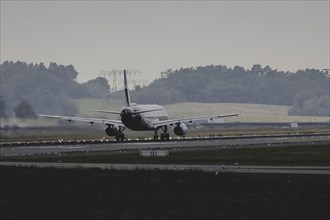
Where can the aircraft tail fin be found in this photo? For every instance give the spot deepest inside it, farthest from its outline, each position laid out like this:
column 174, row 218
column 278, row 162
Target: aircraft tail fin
column 128, row 101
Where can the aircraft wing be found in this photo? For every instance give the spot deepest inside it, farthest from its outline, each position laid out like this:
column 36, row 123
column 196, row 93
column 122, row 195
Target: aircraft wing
column 190, row 120
column 89, row 120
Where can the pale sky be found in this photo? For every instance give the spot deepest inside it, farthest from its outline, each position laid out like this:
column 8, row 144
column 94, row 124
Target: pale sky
column 156, row 36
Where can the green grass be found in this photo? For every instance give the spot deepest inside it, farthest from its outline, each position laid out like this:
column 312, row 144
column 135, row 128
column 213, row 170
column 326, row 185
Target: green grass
column 249, row 112
column 316, row 155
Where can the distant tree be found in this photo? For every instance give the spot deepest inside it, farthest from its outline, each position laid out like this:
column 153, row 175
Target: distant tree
column 3, row 107
column 53, row 90
column 305, row 91
column 137, row 87
column 256, row 68
column 311, row 104
column 49, row 90
column 24, row 110
column 238, row 69
column 97, row 88
column 63, row 71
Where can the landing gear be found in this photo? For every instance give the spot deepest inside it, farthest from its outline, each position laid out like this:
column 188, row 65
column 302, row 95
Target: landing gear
column 163, row 136
column 156, row 136
column 120, row 137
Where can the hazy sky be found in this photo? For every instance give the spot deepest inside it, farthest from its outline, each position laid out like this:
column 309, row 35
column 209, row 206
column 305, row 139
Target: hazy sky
column 155, row 36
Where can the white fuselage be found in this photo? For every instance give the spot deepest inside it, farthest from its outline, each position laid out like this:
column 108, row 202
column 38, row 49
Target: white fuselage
column 142, row 121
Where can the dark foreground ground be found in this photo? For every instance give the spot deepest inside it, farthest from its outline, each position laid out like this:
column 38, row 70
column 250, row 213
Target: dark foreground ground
column 50, row 193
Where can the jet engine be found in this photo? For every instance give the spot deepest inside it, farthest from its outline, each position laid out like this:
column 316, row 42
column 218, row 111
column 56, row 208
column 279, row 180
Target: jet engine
column 180, row 129
column 112, row 130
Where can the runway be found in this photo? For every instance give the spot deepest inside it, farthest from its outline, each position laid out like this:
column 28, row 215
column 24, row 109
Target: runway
column 23, row 149
column 187, row 144
column 307, row 170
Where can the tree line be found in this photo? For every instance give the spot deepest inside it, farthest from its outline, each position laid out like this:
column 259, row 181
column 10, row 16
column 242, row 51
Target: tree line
column 53, row 89
column 305, row 91
column 48, row 90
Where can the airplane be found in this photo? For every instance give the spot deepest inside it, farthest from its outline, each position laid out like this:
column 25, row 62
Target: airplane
column 140, row 118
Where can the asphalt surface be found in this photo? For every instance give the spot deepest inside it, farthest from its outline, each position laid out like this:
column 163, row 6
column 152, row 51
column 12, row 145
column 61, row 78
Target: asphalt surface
column 25, row 149
column 22, row 149
column 207, row 168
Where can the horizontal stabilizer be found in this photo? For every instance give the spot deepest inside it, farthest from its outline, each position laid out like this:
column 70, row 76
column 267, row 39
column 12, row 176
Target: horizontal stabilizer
column 105, row 111
column 153, row 110
column 118, row 113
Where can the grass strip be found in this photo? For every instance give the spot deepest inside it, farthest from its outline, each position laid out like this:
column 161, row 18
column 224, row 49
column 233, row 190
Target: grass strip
column 304, row 155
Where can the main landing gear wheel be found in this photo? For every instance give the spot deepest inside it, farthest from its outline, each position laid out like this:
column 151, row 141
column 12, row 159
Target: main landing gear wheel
column 164, row 136
column 120, row 137
column 156, row 136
